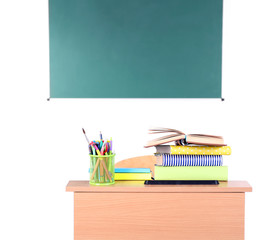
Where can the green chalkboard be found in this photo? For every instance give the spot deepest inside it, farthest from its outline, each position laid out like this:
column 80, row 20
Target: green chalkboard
column 135, row 48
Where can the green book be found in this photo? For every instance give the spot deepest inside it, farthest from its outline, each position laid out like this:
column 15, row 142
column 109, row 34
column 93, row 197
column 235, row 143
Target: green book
column 219, row 173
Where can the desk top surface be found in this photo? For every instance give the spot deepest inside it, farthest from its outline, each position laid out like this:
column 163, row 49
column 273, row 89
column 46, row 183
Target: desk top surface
column 138, row 186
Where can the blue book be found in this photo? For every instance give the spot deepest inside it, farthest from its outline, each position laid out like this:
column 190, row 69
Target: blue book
column 132, row 170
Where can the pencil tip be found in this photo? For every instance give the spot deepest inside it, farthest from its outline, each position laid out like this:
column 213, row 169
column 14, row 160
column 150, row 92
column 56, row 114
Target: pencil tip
column 83, row 130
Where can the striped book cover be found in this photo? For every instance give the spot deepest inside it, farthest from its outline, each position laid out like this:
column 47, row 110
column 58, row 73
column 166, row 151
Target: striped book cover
column 189, row 160
column 193, row 150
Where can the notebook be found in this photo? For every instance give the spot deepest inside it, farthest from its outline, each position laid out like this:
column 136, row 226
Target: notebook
column 189, row 160
column 132, row 176
column 193, row 150
column 132, row 170
column 219, row 173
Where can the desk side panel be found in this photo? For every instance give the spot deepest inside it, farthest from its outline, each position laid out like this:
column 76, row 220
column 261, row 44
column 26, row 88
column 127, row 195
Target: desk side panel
column 141, row 216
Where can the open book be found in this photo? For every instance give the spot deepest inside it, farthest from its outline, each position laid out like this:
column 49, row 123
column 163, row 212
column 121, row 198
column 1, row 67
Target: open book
column 181, row 138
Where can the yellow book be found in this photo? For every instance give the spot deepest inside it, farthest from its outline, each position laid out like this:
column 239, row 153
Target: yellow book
column 193, row 150
column 132, row 176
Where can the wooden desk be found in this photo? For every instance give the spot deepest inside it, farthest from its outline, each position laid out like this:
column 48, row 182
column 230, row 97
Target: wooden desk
column 130, row 210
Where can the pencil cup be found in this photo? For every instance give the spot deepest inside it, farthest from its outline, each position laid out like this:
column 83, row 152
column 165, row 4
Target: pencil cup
column 102, row 169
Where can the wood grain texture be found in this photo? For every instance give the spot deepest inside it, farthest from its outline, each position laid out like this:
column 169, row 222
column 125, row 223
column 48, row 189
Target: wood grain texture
column 147, row 161
column 142, row 216
column 139, row 187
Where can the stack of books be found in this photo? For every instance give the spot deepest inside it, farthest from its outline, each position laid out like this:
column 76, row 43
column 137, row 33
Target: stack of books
column 194, row 157
column 132, row 174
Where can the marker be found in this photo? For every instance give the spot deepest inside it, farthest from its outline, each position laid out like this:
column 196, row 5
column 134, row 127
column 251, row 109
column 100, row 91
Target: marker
column 102, row 149
column 111, row 145
column 93, row 149
column 97, row 150
column 107, row 148
column 100, row 144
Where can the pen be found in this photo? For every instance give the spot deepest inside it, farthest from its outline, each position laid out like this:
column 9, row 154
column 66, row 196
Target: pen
column 100, row 134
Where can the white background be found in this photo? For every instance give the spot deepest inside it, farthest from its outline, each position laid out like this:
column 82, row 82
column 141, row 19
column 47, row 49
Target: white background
column 42, row 145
